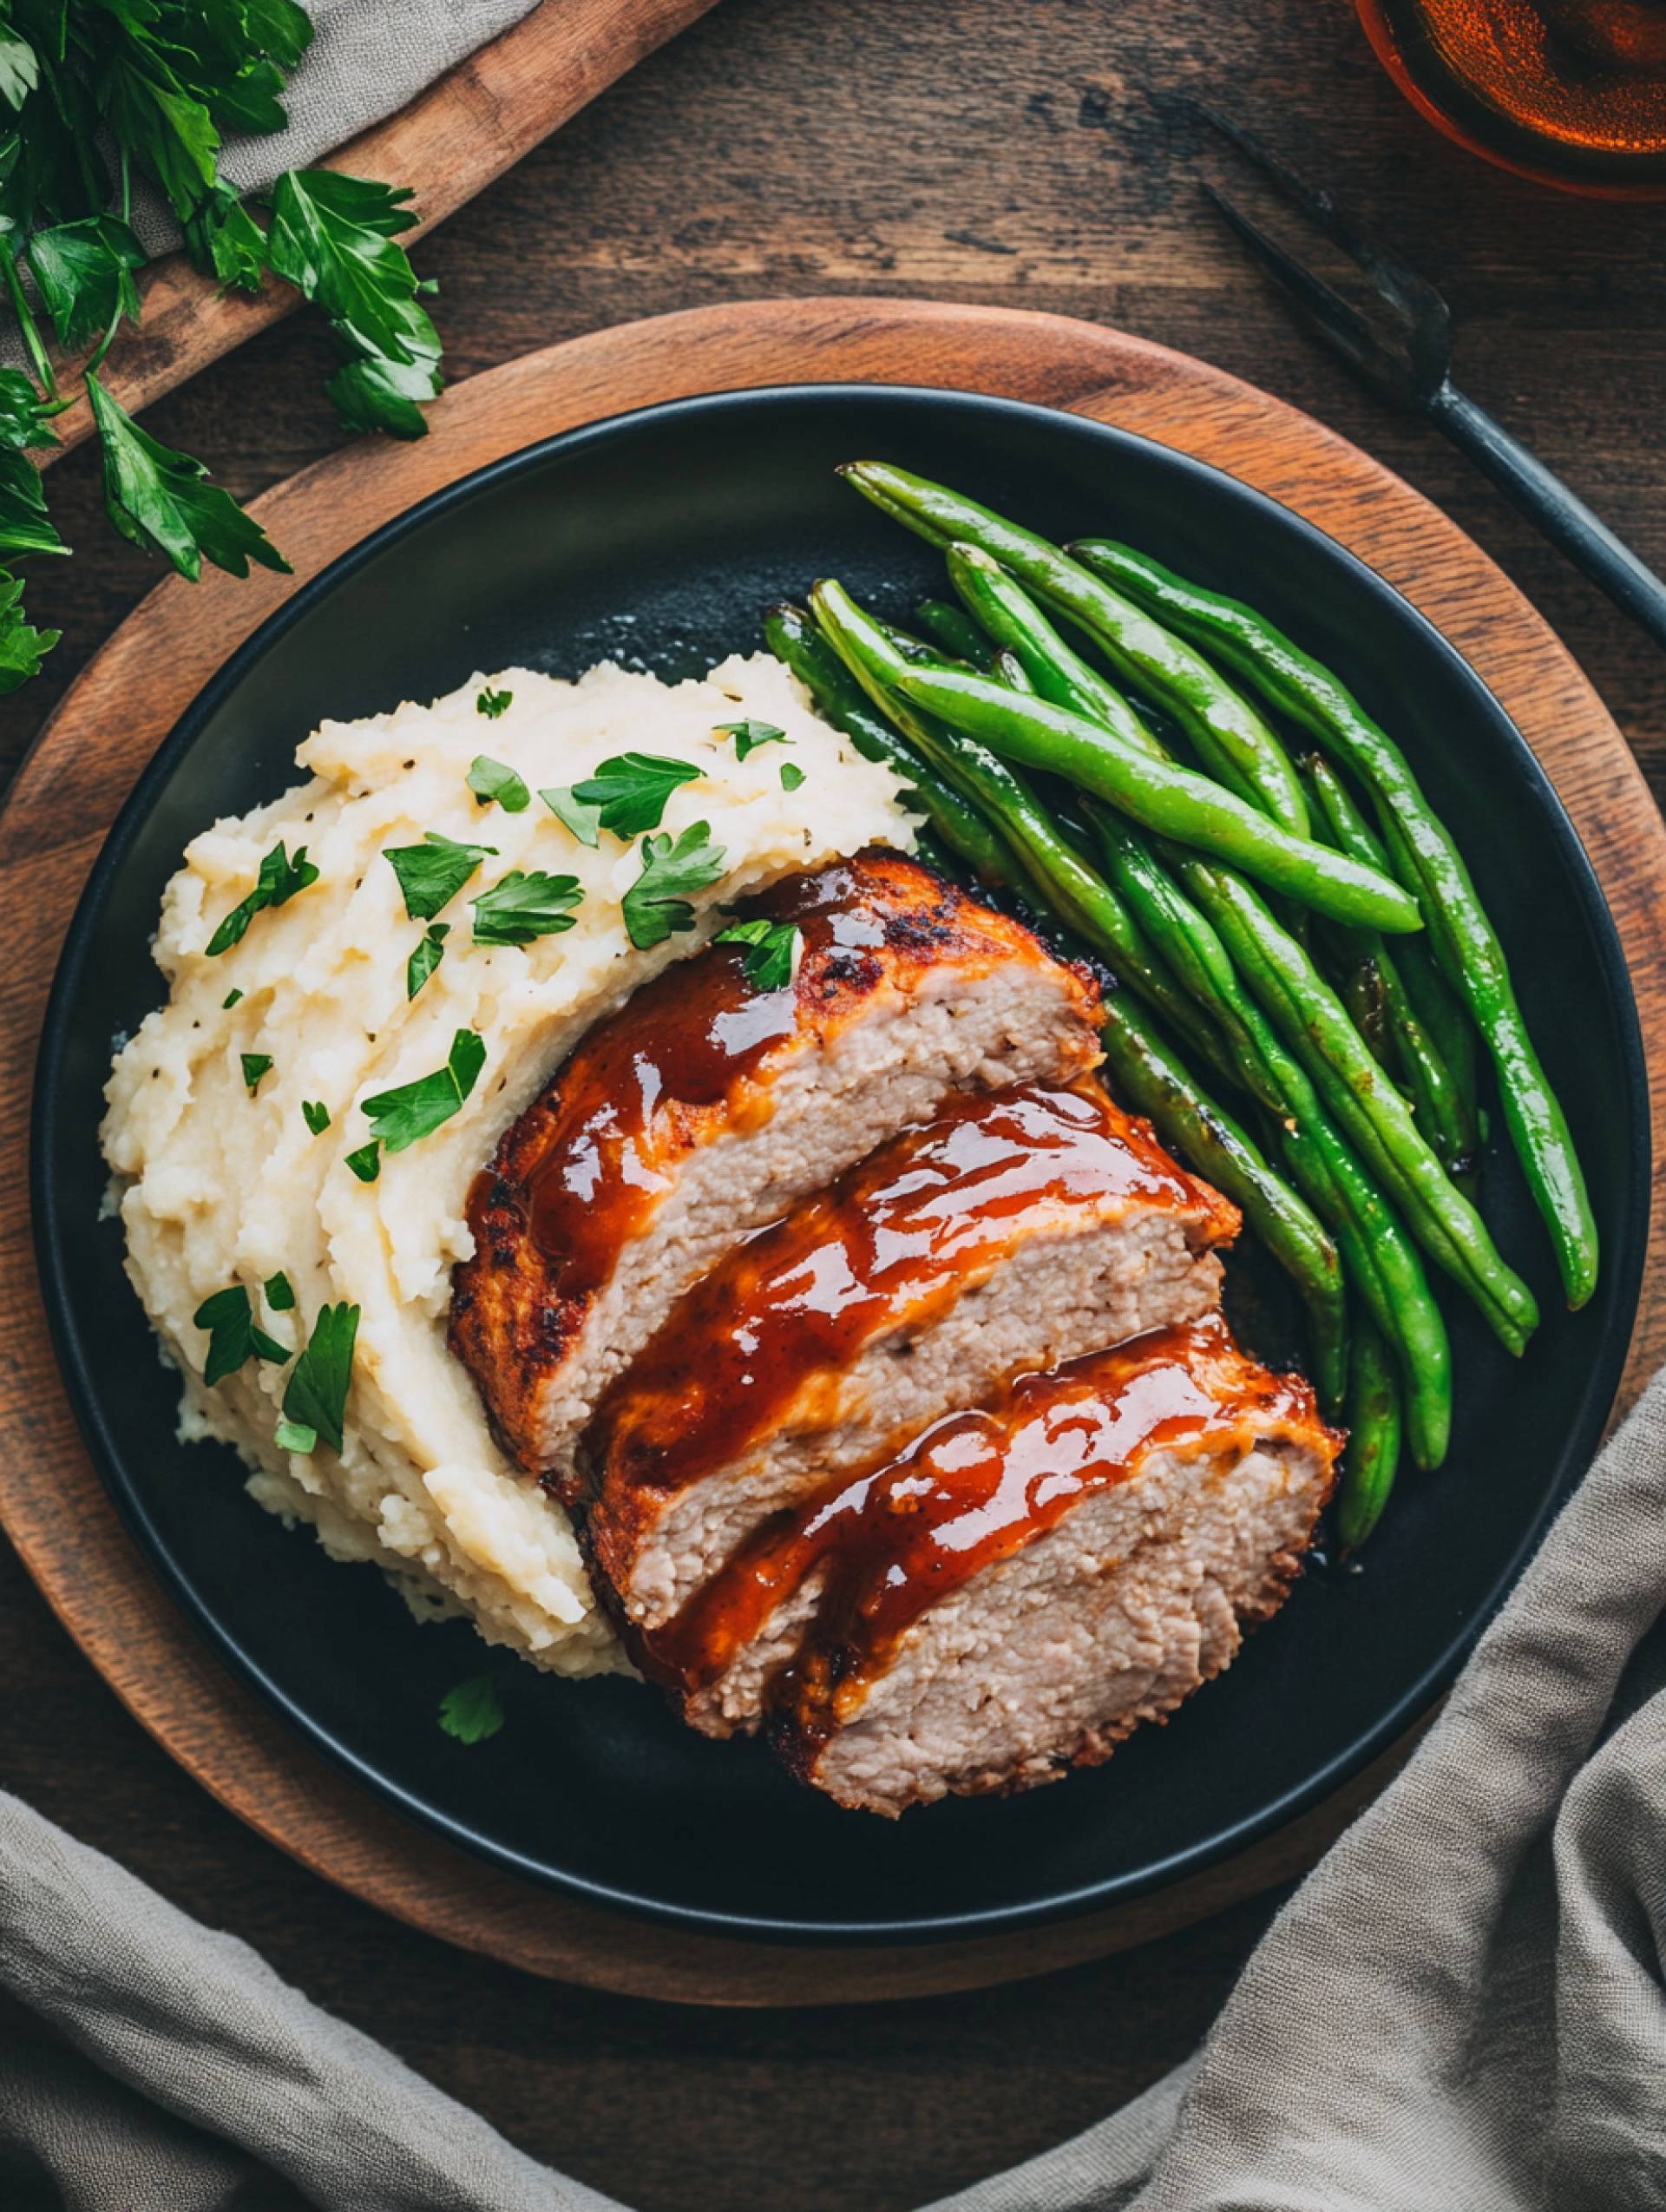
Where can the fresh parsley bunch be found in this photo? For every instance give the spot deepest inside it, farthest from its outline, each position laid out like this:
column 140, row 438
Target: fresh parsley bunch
column 101, row 92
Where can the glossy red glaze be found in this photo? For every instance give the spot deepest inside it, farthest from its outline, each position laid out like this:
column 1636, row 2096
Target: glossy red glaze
column 893, row 1242
column 974, row 1488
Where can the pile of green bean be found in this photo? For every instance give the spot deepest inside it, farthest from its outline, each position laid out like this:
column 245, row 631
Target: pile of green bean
column 1296, row 934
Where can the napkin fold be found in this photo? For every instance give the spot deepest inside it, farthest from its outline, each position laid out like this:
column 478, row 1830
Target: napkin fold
column 1461, row 2009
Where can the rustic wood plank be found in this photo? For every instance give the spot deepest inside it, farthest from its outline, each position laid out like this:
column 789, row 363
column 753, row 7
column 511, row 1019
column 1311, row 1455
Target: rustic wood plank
column 53, row 1505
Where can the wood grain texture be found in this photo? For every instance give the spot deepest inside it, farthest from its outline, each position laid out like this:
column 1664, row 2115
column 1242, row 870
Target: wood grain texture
column 1003, row 156
column 53, row 1505
column 476, row 122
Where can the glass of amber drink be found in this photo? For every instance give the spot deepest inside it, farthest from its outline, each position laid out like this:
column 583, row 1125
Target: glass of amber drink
column 1570, row 93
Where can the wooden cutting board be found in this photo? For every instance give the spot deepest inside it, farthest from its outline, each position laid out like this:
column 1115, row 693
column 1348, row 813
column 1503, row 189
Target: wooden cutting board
column 51, row 1502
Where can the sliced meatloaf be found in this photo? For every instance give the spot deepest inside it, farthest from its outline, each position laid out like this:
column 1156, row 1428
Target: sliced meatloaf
column 1024, row 1584
column 707, row 1104
column 1017, row 1229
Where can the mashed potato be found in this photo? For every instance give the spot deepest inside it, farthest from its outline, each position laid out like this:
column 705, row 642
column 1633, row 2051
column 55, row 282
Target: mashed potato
column 217, row 1187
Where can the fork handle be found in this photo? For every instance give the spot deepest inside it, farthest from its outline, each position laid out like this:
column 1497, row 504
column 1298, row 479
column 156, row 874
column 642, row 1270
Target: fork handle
column 1557, row 510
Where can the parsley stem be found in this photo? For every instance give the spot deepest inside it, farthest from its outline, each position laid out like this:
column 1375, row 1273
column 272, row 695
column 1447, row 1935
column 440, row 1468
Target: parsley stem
column 126, row 197
column 104, row 343
column 26, row 323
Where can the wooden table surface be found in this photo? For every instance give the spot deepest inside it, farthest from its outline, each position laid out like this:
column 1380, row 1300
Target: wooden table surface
column 1003, row 154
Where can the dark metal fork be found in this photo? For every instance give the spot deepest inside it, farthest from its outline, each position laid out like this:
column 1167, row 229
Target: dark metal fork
column 1406, row 361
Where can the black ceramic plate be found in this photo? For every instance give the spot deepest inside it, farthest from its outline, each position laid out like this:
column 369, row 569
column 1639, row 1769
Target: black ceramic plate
column 657, row 538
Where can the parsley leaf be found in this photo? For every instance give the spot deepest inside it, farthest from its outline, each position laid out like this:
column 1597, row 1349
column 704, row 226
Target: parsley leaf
column 366, row 1162
column 332, row 237
column 415, row 1110
column 229, row 1000
column 280, row 1293
column 748, row 736
column 22, row 647
column 20, row 70
column 163, row 502
column 295, row 1436
column 280, row 879
column 473, row 1711
column 23, row 420
column 224, row 240
column 520, row 907
column 315, row 1394
column 255, row 1065
column 772, row 950
column 585, row 821
column 431, row 874
column 491, row 704
column 430, row 951
column 85, row 273
column 232, row 1337
column 24, row 525
column 316, row 1115
column 630, row 790
column 490, row 779
column 654, row 907
column 791, row 775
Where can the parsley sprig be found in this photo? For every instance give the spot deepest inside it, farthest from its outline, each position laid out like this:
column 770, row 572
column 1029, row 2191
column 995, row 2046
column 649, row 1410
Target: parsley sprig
column 655, row 907
column 771, row 952
column 749, row 735
column 520, row 907
column 414, row 1110
column 233, row 1337
column 626, row 795
column 431, row 874
column 278, row 880
column 101, row 91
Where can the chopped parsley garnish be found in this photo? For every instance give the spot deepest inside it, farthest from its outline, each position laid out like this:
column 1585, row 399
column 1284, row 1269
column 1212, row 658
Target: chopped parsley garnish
column 521, row 906
column 280, row 1293
column 366, row 1162
column 315, row 1396
column 748, row 736
column 630, row 790
column 316, row 1115
column 429, row 952
column 229, row 1000
column 772, row 950
column 654, row 907
column 416, row 1109
column 491, row 704
column 255, row 1065
column 473, row 1710
column 791, row 775
column 585, row 821
column 431, row 874
column 490, row 779
column 233, row 1336
column 295, row 1436
column 278, row 880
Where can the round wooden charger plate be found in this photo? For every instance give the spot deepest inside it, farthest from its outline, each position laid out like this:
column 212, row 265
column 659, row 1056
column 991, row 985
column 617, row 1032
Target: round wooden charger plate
column 51, row 1502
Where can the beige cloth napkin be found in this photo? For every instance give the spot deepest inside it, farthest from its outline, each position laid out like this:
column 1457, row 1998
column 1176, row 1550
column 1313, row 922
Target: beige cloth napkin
column 1461, row 2009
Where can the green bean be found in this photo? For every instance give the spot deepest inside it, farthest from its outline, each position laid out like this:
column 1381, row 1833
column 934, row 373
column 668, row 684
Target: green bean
column 1446, row 1117
column 1057, row 873
column 1378, row 1257
column 959, row 636
column 1231, row 738
column 1007, row 668
column 1371, row 1460
column 1148, row 1076
column 1175, row 801
column 793, row 640
column 1462, row 937
column 1370, row 1110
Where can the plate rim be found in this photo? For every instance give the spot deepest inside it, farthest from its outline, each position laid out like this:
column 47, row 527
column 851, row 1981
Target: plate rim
column 1605, row 1370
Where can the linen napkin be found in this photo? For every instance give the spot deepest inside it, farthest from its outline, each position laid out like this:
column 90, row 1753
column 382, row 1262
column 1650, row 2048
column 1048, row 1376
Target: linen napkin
column 1461, row 2009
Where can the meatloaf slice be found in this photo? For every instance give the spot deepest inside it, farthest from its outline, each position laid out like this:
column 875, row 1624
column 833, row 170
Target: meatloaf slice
column 707, row 1104
column 1025, row 1583
column 1017, row 1229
